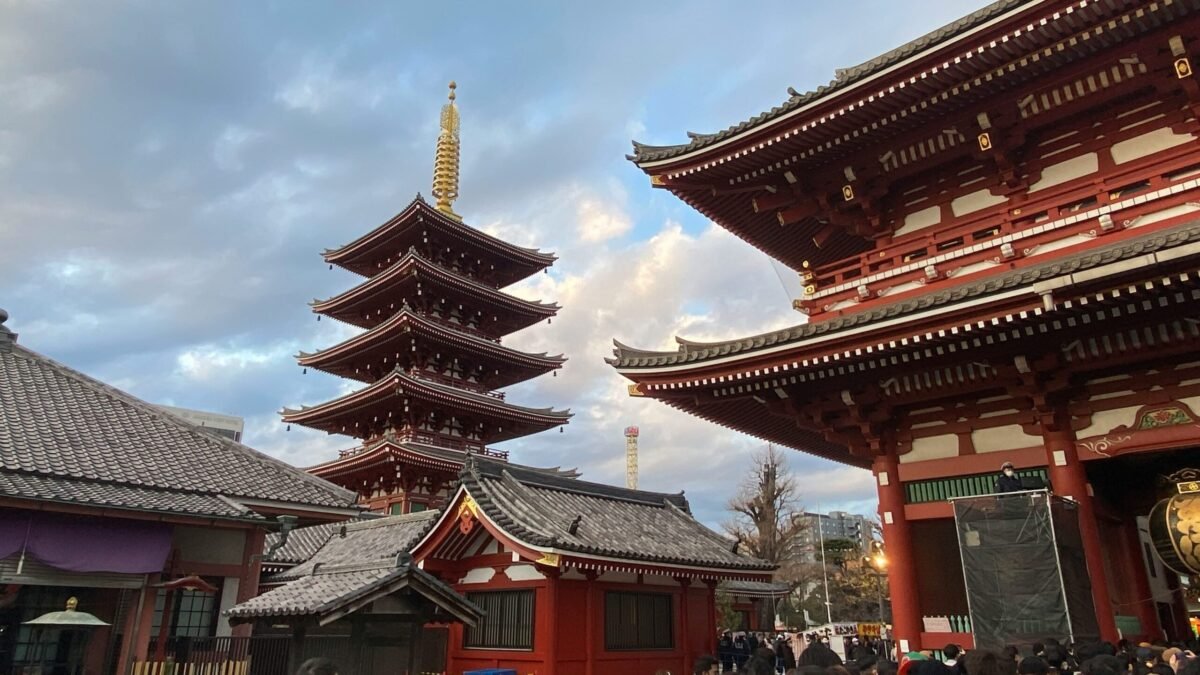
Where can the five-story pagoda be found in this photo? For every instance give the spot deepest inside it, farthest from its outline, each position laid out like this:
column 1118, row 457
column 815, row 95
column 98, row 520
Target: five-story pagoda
column 431, row 357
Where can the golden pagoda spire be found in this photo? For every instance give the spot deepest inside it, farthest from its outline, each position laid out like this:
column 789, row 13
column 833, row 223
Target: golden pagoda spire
column 445, row 162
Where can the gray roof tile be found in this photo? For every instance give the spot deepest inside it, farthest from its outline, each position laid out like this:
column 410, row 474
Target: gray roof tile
column 325, row 593
column 537, row 508
column 67, row 437
column 368, row 541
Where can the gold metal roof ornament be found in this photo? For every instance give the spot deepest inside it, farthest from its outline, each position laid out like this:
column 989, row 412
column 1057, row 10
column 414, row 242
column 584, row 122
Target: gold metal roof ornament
column 71, row 618
column 445, row 162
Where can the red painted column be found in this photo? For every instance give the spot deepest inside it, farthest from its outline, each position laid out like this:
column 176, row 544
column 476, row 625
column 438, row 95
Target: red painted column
column 684, row 626
column 553, row 617
column 1069, row 480
column 897, row 537
column 1146, row 610
column 591, row 608
column 251, row 571
column 711, row 602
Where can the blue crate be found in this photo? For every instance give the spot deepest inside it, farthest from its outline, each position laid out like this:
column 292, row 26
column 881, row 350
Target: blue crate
column 492, row 671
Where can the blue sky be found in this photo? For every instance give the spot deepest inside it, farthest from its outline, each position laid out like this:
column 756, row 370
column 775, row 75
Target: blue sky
column 169, row 173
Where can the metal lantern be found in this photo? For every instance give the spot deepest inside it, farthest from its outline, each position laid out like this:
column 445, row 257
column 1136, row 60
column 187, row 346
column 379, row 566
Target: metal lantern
column 52, row 625
column 1175, row 529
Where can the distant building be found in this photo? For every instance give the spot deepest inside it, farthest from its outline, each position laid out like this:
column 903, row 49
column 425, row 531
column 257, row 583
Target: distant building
column 831, row 526
column 225, row 425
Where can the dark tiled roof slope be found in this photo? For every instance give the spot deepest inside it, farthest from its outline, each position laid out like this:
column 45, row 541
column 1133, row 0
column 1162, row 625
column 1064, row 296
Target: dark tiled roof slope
column 303, row 542
column 537, row 508
column 844, row 78
column 324, row 593
column 370, row 541
column 67, row 437
column 691, row 352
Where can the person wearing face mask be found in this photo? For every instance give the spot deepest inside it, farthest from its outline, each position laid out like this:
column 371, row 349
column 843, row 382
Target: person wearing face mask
column 1008, row 480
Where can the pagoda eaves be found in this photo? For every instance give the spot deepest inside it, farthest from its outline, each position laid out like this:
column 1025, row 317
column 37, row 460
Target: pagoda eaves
column 379, row 248
column 408, row 335
column 376, row 299
column 390, row 402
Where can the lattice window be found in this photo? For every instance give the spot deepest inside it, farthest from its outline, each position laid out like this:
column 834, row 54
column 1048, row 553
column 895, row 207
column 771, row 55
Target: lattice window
column 638, row 621
column 193, row 613
column 508, row 623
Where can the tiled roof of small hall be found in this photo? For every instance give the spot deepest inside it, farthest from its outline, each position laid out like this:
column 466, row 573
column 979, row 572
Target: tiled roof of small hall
column 538, row 508
column 844, row 78
column 67, row 437
column 368, row 541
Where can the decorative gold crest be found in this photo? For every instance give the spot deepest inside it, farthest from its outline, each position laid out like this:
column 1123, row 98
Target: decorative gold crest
column 657, row 180
column 549, row 560
column 985, row 141
column 468, row 514
column 635, row 390
column 848, row 192
column 1183, row 68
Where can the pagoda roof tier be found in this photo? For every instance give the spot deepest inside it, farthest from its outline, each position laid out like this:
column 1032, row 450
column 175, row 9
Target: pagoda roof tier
column 359, row 413
column 778, row 179
column 363, row 356
column 778, row 386
column 378, row 298
column 370, row 253
column 385, row 453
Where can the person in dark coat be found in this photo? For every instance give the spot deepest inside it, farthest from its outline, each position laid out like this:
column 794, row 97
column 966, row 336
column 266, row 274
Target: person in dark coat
column 785, row 657
column 725, row 650
column 1008, row 480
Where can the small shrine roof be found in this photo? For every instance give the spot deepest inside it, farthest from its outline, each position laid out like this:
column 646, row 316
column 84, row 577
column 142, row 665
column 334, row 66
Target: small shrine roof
column 365, row 542
column 844, row 79
column 302, row 542
column 68, row 438
column 336, row 591
column 537, row 509
column 757, row 589
column 631, row 360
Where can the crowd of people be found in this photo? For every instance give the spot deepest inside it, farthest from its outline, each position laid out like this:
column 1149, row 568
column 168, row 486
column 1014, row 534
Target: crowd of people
column 771, row 657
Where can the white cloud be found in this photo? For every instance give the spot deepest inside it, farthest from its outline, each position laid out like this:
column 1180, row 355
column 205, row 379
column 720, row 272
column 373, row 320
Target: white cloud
column 599, row 221
column 208, row 362
column 229, row 145
column 32, row 93
column 319, row 85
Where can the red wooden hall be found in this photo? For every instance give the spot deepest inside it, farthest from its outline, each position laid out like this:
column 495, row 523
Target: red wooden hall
column 578, row 578
column 997, row 226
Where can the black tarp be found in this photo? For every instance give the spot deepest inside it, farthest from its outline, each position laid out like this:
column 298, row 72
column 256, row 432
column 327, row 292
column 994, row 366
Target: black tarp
column 1015, row 584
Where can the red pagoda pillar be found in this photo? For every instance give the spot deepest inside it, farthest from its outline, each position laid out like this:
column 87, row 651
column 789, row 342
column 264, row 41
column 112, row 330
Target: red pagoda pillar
column 902, row 571
column 1069, row 480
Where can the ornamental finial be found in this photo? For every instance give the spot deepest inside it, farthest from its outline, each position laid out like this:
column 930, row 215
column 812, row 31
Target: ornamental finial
column 445, row 162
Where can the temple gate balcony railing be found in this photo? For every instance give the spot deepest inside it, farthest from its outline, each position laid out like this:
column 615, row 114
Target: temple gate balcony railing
column 943, row 489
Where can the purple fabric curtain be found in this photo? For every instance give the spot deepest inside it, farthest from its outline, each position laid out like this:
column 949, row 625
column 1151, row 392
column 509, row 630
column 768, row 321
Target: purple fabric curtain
column 83, row 544
column 14, row 526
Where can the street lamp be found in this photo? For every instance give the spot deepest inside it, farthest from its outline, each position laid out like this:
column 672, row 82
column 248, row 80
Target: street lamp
column 877, row 561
